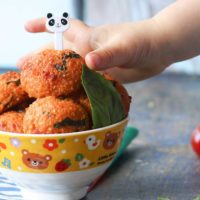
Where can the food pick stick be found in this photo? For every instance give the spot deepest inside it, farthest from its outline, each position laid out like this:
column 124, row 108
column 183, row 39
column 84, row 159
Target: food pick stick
column 57, row 25
column 58, row 40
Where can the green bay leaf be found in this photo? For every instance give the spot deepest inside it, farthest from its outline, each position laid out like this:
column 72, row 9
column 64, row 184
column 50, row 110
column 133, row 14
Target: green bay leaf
column 106, row 103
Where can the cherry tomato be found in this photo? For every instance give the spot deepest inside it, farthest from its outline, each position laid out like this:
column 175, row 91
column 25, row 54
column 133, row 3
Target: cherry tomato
column 195, row 140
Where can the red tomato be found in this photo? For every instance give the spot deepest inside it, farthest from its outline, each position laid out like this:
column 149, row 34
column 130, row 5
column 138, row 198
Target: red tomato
column 195, row 140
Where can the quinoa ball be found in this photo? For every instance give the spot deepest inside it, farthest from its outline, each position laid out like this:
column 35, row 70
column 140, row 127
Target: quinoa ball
column 126, row 99
column 12, row 121
column 54, row 115
column 81, row 98
column 11, row 91
column 52, row 73
column 85, row 103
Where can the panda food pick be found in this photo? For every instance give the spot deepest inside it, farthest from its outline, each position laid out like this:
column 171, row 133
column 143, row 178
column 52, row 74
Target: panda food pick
column 56, row 92
column 57, row 25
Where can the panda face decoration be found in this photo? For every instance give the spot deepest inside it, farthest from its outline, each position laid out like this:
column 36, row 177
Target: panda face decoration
column 57, row 24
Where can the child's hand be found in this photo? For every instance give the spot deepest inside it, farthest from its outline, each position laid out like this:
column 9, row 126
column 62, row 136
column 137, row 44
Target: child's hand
column 129, row 49
column 135, row 51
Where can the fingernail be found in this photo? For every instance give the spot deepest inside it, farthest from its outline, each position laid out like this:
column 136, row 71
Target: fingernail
column 93, row 60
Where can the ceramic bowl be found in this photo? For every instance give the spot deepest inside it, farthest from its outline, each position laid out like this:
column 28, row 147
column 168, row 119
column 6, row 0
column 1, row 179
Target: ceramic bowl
column 58, row 166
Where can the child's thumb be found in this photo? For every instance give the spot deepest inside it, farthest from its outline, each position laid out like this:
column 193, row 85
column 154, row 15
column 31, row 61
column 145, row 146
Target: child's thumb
column 106, row 57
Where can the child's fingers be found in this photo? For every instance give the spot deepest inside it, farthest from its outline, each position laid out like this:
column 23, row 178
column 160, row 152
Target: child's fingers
column 106, row 57
column 76, row 38
column 36, row 25
column 77, row 28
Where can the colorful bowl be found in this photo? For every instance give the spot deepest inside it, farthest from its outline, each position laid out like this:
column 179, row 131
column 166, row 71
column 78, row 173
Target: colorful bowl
column 58, row 166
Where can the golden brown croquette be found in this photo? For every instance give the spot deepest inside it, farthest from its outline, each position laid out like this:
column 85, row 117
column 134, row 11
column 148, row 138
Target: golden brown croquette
column 48, row 96
column 81, row 98
column 11, row 92
column 12, row 121
column 126, row 99
column 52, row 73
column 54, row 115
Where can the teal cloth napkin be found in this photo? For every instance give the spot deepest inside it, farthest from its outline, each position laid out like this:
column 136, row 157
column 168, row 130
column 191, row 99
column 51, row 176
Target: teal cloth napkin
column 130, row 134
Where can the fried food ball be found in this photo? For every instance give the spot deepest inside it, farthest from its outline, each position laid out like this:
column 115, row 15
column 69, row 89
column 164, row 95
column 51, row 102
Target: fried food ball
column 54, row 115
column 52, row 73
column 85, row 103
column 126, row 99
column 11, row 92
column 12, row 121
column 81, row 98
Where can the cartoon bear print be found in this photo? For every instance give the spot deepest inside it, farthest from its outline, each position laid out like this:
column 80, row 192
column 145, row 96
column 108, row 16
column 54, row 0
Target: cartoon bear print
column 35, row 161
column 110, row 140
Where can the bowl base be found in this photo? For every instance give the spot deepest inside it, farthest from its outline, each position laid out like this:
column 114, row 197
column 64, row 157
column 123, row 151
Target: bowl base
column 74, row 195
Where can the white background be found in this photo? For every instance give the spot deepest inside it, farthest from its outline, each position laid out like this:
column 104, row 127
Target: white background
column 14, row 40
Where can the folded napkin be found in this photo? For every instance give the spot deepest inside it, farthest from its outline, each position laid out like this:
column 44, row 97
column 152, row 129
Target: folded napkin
column 8, row 190
column 130, row 134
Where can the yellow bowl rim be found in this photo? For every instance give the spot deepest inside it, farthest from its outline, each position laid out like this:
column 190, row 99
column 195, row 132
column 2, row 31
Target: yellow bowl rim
column 63, row 134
